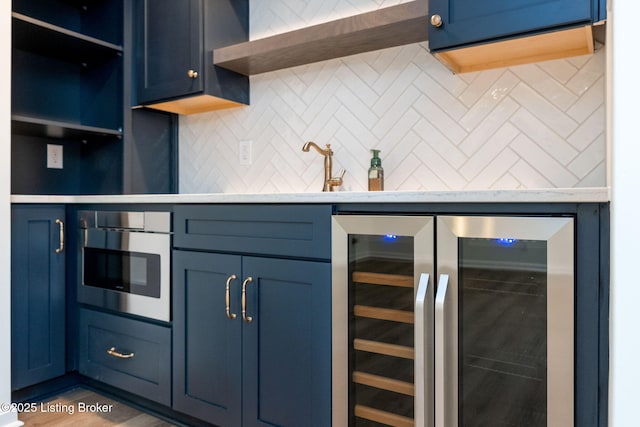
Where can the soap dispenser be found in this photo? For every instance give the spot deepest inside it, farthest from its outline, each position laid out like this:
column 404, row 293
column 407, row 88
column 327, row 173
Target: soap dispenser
column 376, row 173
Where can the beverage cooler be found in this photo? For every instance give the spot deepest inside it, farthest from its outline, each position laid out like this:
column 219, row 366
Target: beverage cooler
column 453, row 321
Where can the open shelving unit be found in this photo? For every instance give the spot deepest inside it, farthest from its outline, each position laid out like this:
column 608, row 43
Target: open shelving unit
column 388, row 27
column 67, row 89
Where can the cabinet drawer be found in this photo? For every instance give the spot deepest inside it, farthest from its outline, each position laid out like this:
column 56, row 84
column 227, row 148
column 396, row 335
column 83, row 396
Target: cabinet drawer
column 300, row 231
column 126, row 353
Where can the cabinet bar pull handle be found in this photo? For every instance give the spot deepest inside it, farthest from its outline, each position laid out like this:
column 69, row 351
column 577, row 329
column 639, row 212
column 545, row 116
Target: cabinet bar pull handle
column 227, row 297
column 112, row 352
column 246, row 318
column 61, row 247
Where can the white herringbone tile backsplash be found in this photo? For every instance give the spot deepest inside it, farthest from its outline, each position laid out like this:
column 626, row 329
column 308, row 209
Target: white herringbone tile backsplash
column 531, row 126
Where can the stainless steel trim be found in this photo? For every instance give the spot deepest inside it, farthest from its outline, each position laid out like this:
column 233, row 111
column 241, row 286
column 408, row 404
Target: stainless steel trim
column 227, row 297
column 61, row 246
column 113, row 352
column 148, row 221
column 422, row 230
column 424, row 360
column 446, row 357
column 559, row 235
column 127, row 220
column 246, row 318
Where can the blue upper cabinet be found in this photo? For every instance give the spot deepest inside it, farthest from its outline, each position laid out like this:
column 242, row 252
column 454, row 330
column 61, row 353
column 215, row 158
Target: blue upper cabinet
column 465, row 22
column 174, row 42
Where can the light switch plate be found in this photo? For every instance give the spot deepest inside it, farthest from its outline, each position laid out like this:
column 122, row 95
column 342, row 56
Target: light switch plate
column 54, row 156
column 245, row 152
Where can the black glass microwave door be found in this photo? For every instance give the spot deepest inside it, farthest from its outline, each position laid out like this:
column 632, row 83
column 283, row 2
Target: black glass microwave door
column 502, row 297
column 132, row 272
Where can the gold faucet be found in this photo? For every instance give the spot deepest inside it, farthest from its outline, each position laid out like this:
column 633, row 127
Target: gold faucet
column 329, row 181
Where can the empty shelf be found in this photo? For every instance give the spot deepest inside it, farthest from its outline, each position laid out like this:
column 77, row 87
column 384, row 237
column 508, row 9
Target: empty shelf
column 383, row 417
column 383, row 279
column 383, row 348
column 383, row 314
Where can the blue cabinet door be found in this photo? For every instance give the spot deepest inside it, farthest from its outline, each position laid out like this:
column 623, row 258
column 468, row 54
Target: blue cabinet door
column 37, row 295
column 469, row 21
column 168, row 44
column 287, row 345
column 206, row 343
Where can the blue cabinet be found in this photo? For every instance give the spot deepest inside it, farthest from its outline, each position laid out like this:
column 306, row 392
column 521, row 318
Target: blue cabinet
column 466, row 22
column 174, row 44
column 37, row 295
column 126, row 353
column 263, row 362
column 252, row 334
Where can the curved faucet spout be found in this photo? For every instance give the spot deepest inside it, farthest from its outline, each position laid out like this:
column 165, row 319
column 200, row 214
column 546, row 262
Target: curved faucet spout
column 329, row 181
column 325, row 152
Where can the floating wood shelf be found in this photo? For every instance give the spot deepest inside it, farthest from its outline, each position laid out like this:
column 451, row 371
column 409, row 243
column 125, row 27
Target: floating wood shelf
column 383, row 314
column 383, row 348
column 40, row 37
column 31, row 126
column 382, row 279
column 391, row 26
column 383, row 383
column 383, row 417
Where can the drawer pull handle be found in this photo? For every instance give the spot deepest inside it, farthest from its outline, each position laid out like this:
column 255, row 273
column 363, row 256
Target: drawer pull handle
column 61, row 247
column 246, row 318
column 227, row 297
column 112, row 352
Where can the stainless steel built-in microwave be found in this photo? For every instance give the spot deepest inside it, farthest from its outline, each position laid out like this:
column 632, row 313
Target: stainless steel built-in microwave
column 125, row 262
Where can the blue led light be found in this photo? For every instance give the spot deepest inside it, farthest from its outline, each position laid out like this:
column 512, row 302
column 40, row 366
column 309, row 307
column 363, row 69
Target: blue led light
column 390, row 237
column 506, row 241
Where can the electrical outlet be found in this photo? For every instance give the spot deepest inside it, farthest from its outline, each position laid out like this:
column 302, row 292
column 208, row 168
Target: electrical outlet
column 245, row 152
column 54, row 156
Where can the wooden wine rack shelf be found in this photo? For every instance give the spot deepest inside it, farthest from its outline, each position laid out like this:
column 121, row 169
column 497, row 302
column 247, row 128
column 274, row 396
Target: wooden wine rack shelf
column 383, row 348
column 383, row 383
column 375, row 302
column 383, row 314
column 382, row 417
column 383, row 279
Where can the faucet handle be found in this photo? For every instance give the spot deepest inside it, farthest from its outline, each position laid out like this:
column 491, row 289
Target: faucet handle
column 336, row 181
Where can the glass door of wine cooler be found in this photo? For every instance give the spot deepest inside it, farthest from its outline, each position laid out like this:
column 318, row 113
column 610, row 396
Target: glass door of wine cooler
column 504, row 320
column 378, row 373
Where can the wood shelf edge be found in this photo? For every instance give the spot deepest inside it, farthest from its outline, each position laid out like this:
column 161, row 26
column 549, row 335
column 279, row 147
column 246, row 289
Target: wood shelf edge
column 387, row 27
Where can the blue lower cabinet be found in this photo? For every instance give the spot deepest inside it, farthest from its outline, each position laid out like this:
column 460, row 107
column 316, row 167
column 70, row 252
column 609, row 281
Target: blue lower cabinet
column 207, row 372
column 126, row 353
column 263, row 358
column 37, row 295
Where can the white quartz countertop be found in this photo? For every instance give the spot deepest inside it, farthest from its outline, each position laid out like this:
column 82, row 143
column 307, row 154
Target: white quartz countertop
column 552, row 195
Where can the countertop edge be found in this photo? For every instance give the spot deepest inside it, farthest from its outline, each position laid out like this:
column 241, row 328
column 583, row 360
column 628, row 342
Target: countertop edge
column 551, row 195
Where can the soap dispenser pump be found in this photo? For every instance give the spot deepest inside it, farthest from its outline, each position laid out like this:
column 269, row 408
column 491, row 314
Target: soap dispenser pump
column 376, row 173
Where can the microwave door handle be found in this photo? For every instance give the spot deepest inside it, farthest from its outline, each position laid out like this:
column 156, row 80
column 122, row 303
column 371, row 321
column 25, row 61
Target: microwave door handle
column 423, row 362
column 446, row 363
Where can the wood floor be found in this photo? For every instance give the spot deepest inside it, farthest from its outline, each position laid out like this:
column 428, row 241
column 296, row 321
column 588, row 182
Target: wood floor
column 81, row 407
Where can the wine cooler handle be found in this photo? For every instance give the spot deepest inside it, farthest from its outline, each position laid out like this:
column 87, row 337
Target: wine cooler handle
column 423, row 360
column 446, row 363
